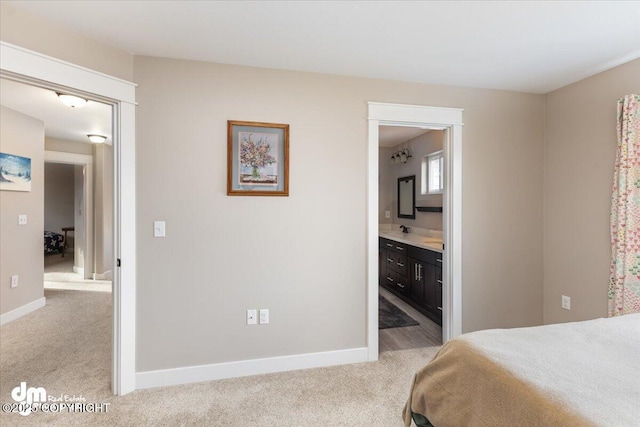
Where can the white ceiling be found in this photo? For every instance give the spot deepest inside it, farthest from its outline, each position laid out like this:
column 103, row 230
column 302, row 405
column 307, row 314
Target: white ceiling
column 60, row 121
column 530, row 46
column 390, row 136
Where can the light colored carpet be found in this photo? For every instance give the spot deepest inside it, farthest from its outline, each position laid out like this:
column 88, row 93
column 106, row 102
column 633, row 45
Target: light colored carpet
column 58, row 274
column 65, row 348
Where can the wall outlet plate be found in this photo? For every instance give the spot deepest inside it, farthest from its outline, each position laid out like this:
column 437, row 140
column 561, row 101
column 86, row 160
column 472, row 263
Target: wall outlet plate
column 14, row 281
column 22, row 219
column 566, row 302
column 264, row 316
column 252, row 317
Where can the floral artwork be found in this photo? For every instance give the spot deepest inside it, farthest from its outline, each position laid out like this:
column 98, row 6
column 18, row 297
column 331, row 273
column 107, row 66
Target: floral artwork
column 15, row 172
column 258, row 158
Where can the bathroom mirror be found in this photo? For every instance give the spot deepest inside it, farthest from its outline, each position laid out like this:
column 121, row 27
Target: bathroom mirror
column 406, row 197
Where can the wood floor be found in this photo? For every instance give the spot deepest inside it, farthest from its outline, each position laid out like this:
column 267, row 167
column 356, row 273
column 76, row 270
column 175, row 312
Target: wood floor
column 426, row 334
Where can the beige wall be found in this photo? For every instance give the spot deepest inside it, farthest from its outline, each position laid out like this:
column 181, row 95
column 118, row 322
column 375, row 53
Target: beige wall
column 579, row 155
column 21, row 247
column 58, row 197
column 32, row 32
column 103, row 210
column 53, row 144
column 420, row 146
column 303, row 256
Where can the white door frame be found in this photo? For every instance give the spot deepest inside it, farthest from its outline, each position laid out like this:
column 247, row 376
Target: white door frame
column 449, row 120
column 86, row 161
column 31, row 67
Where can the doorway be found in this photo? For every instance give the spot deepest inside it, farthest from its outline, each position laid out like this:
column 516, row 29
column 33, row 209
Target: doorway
column 29, row 67
column 410, row 230
column 448, row 120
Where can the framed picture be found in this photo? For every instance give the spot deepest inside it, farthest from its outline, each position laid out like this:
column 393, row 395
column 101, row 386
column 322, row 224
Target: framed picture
column 257, row 159
column 15, row 172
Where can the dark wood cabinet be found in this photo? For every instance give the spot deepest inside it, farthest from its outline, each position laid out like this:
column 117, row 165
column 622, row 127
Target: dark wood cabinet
column 414, row 274
column 393, row 266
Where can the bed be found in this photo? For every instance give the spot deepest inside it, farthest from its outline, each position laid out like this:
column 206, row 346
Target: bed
column 53, row 242
column 572, row 374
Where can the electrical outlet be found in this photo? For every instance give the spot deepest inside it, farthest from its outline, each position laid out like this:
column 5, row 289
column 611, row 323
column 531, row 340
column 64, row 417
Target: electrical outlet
column 252, row 317
column 264, row 316
column 566, row 302
column 159, row 229
column 22, row 219
column 387, row 214
column 14, row 281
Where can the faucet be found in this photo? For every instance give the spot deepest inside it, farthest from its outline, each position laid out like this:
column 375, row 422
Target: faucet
column 405, row 229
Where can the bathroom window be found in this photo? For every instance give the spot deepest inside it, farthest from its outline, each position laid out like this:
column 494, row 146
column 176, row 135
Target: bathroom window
column 432, row 173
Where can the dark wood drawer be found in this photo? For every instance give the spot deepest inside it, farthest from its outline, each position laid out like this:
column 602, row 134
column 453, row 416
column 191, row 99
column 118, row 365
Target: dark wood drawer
column 402, row 283
column 424, row 255
column 392, row 245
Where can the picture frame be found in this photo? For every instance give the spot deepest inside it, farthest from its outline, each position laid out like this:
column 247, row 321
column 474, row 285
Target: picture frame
column 257, row 159
column 15, row 172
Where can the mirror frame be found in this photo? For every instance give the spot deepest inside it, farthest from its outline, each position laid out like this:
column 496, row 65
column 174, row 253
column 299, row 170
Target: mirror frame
column 412, row 179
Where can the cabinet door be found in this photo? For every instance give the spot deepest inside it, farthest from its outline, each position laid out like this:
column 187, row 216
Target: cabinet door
column 438, row 301
column 430, row 287
column 416, row 271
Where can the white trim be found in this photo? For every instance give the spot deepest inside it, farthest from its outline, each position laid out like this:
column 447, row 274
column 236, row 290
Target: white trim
column 18, row 60
column 67, row 158
column 20, row 63
column 449, row 120
column 107, row 275
column 193, row 374
column 78, row 270
column 22, row 311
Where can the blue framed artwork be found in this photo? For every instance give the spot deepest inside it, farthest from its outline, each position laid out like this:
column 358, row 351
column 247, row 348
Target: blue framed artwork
column 257, row 159
column 15, row 172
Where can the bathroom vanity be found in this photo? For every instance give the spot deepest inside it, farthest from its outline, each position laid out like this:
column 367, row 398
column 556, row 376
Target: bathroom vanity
column 411, row 268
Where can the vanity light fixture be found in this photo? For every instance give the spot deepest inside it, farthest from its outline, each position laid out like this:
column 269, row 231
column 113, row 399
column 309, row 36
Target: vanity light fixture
column 71, row 100
column 98, row 139
column 401, row 156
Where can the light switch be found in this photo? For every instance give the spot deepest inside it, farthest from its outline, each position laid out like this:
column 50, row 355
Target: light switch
column 158, row 229
column 22, row 219
column 264, row 316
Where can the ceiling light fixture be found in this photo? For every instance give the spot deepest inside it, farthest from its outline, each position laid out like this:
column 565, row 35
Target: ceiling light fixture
column 71, row 100
column 401, row 156
column 98, row 139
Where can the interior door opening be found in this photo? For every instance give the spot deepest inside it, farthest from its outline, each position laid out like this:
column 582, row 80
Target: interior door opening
column 410, row 231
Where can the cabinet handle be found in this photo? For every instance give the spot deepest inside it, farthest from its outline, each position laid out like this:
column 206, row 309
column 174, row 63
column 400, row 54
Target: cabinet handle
column 440, row 308
column 400, row 264
column 400, row 248
column 390, row 279
column 402, row 286
column 440, row 281
column 415, row 271
column 419, row 271
column 390, row 245
column 389, row 259
column 439, row 260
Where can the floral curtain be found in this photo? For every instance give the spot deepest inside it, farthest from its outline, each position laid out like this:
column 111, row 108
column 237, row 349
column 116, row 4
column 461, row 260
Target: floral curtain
column 624, row 281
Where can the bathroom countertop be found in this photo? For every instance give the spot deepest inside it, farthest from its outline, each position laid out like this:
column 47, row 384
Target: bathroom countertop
column 421, row 241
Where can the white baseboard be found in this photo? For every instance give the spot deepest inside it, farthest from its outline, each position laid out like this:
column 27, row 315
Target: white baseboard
column 107, row 275
column 78, row 270
column 218, row 371
column 21, row 311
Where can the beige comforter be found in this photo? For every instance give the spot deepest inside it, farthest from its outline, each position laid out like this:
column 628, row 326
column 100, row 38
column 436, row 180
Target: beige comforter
column 572, row 374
